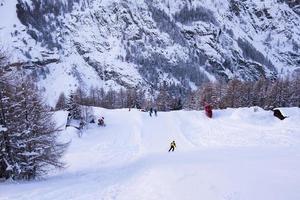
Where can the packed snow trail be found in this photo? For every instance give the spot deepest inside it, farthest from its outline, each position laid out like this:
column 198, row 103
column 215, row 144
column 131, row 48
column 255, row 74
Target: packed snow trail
column 238, row 155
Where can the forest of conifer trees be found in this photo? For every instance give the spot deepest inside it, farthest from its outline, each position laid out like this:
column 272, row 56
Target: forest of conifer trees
column 265, row 93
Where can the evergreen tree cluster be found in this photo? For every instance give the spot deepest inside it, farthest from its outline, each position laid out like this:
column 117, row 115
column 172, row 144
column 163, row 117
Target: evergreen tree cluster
column 28, row 136
column 130, row 98
column 265, row 93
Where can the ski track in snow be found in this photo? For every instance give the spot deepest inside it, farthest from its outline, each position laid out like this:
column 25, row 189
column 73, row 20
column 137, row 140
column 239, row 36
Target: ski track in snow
column 238, row 155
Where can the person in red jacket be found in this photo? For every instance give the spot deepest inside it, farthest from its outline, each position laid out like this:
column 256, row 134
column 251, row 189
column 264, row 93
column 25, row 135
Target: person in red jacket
column 208, row 110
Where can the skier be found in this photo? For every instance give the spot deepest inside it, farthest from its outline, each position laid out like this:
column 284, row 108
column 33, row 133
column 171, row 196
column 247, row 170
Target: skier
column 150, row 112
column 155, row 112
column 172, row 146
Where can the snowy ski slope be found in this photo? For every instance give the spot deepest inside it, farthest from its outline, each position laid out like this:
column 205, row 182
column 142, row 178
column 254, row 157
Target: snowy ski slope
column 238, row 155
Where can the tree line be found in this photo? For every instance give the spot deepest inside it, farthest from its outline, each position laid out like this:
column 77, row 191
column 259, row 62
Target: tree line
column 163, row 100
column 265, row 93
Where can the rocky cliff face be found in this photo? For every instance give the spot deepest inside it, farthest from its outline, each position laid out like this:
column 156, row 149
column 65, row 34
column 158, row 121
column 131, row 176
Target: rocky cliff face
column 128, row 43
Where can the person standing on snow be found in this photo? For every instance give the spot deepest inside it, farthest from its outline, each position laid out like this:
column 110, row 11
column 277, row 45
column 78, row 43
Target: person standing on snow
column 172, row 146
column 151, row 111
column 155, row 112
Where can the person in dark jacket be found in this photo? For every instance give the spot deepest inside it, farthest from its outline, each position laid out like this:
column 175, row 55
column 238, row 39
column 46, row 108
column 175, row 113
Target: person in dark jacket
column 150, row 112
column 172, row 146
column 155, row 112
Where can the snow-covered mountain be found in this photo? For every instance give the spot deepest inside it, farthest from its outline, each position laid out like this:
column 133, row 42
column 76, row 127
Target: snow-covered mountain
column 128, row 43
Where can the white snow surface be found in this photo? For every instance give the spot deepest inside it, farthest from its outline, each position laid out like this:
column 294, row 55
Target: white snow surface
column 2, row 128
column 239, row 154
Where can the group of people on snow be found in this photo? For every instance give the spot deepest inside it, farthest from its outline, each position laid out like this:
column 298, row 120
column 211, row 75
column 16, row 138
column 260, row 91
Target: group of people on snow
column 101, row 121
column 207, row 108
column 151, row 112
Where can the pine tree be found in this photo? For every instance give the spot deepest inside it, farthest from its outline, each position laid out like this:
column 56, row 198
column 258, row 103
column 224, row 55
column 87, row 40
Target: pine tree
column 73, row 107
column 5, row 106
column 29, row 144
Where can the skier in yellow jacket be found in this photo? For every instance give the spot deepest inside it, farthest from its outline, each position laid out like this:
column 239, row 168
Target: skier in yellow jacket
column 173, row 146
